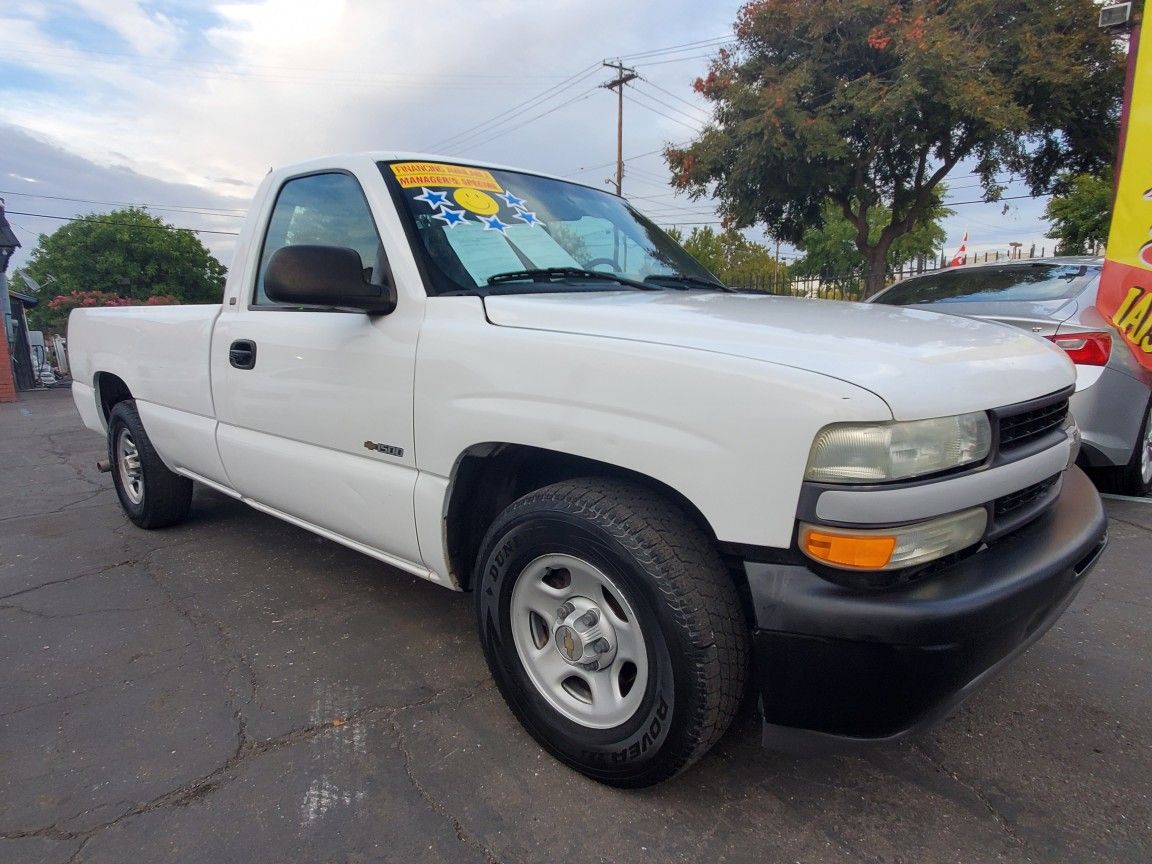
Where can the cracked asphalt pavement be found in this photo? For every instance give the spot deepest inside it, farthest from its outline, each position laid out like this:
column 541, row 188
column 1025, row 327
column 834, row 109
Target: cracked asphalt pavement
column 237, row 689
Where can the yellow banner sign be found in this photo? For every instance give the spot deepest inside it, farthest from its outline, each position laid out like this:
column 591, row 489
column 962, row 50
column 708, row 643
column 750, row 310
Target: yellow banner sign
column 414, row 174
column 1125, row 295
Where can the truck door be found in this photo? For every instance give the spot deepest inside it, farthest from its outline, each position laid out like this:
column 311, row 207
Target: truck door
column 315, row 406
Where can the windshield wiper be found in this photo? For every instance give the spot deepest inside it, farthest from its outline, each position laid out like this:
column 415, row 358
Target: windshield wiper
column 559, row 274
column 681, row 281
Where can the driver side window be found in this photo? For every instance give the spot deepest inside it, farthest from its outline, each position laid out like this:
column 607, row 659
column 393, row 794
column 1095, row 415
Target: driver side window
column 323, row 210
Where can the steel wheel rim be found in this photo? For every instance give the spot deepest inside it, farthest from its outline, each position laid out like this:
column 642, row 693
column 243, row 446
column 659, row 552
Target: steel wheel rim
column 1146, row 456
column 128, row 467
column 597, row 699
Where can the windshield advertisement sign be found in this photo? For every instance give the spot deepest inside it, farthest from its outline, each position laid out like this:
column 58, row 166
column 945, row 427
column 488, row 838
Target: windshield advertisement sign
column 1126, row 287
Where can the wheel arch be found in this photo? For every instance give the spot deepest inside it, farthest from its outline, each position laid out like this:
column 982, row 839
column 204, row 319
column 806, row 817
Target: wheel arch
column 487, row 477
column 110, row 391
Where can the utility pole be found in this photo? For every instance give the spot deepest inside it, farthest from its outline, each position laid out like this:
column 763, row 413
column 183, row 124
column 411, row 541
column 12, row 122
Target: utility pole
column 623, row 76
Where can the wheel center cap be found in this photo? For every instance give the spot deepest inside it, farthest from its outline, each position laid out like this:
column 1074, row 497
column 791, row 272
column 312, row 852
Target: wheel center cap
column 569, row 644
column 583, row 636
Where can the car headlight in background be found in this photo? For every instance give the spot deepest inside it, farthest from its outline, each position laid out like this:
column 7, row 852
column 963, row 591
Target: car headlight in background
column 879, row 452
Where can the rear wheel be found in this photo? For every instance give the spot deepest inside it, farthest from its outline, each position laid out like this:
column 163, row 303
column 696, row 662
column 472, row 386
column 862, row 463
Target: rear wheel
column 612, row 628
column 1135, row 478
column 151, row 495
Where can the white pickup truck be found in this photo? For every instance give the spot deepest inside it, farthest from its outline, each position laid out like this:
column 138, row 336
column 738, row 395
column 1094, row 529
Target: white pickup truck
column 663, row 494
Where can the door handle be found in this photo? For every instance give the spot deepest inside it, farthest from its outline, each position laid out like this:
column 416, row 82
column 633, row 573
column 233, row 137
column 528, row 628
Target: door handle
column 242, row 354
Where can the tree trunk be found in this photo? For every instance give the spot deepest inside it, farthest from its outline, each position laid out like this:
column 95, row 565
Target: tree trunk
column 876, row 268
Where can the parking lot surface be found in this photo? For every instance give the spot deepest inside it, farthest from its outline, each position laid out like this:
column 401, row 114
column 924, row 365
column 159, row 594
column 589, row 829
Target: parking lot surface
column 237, row 689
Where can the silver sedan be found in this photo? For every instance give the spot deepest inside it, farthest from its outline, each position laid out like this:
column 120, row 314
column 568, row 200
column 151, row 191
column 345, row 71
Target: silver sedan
column 1056, row 298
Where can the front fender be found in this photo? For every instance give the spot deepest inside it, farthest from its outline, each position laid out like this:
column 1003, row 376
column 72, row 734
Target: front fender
column 730, row 434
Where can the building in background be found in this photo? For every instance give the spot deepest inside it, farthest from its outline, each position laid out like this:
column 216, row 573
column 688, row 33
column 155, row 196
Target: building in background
column 8, row 245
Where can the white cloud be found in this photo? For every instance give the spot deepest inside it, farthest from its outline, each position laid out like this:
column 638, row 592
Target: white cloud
column 284, row 24
column 150, row 33
column 279, row 80
column 208, row 96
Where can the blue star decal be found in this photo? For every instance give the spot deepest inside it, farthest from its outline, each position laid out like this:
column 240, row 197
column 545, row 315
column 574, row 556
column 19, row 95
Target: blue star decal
column 451, row 217
column 528, row 217
column 511, row 200
column 493, row 223
column 434, row 199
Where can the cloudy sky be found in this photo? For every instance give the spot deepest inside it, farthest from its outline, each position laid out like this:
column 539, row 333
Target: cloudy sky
column 182, row 106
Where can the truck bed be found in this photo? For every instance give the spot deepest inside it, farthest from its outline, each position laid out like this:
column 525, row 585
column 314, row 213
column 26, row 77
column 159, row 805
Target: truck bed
column 162, row 350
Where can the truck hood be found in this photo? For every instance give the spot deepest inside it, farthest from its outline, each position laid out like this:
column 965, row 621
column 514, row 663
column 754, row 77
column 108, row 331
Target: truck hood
column 922, row 364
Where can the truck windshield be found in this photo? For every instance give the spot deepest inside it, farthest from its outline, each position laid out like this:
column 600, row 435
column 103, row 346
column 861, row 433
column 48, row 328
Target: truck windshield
column 484, row 230
column 1031, row 282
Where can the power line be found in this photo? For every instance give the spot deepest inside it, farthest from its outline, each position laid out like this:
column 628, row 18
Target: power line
column 238, row 212
column 998, row 200
column 613, row 162
column 660, row 185
column 672, row 49
column 64, row 60
column 671, row 212
column 493, row 122
column 578, row 97
column 1007, row 182
column 703, row 111
column 665, row 116
column 122, row 224
column 670, row 107
column 666, row 208
column 107, row 56
column 459, row 139
column 660, row 199
column 679, row 59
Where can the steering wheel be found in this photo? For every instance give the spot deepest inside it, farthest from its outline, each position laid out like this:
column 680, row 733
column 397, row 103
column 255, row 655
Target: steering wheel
column 597, row 262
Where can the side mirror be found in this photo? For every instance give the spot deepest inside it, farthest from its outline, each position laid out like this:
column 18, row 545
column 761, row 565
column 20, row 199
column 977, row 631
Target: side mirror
column 325, row 276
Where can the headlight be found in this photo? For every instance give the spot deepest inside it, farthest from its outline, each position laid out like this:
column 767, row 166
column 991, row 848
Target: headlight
column 893, row 548
column 876, row 452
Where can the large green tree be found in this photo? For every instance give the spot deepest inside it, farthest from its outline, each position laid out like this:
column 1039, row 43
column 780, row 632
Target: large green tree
column 735, row 259
column 871, row 103
column 1081, row 213
column 124, row 256
column 830, row 248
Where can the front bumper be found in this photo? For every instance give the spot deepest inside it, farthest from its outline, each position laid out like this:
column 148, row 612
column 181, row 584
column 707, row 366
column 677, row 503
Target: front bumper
column 841, row 665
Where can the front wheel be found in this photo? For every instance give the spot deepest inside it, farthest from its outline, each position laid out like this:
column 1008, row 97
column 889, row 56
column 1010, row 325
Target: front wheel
column 152, row 496
column 612, row 629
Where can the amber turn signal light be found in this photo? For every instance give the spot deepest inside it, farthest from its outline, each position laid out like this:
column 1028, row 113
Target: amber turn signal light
column 893, row 548
column 849, row 550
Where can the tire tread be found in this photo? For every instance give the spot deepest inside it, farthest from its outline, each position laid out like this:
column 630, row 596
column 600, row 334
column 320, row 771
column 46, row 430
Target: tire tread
column 693, row 580
column 167, row 495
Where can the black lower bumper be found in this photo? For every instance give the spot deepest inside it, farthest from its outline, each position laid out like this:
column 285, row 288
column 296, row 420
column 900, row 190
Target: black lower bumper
column 843, row 665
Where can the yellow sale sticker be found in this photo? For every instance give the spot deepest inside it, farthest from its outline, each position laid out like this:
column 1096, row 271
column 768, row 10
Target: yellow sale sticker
column 414, row 174
column 1125, row 296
